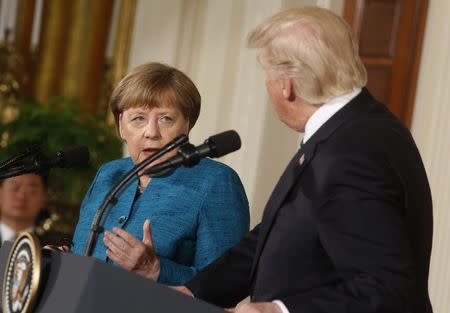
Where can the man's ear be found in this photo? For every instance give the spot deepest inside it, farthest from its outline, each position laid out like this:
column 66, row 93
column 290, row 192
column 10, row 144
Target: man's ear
column 288, row 88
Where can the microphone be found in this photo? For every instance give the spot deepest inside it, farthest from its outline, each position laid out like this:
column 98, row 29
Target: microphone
column 189, row 155
column 77, row 156
column 68, row 158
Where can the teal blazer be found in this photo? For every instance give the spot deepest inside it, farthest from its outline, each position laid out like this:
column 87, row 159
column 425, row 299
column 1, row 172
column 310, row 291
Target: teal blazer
column 197, row 213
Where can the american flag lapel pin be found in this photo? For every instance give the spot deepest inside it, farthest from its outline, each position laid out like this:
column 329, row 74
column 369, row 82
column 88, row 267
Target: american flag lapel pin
column 301, row 160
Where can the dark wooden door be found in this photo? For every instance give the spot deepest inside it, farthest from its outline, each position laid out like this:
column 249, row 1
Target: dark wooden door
column 390, row 34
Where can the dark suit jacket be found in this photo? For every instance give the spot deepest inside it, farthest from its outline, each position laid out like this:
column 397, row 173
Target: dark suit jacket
column 348, row 230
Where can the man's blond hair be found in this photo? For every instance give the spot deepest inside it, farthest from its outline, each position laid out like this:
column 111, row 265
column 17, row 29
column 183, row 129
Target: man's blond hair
column 315, row 48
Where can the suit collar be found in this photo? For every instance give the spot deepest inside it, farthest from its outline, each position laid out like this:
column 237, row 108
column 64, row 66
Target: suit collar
column 281, row 190
column 326, row 111
column 357, row 106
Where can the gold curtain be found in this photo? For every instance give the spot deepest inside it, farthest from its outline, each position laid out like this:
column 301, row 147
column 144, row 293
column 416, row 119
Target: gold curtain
column 70, row 59
column 48, row 72
column 23, row 30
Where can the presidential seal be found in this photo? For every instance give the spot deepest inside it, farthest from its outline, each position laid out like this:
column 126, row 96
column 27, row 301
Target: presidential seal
column 22, row 274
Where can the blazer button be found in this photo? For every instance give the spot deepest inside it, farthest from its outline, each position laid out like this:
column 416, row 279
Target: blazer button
column 122, row 219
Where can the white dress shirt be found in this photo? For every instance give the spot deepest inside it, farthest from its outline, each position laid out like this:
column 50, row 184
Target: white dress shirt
column 323, row 114
column 9, row 234
column 326, row 111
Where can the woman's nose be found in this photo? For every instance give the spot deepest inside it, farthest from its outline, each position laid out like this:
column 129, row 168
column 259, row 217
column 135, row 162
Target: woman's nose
column 152, row 131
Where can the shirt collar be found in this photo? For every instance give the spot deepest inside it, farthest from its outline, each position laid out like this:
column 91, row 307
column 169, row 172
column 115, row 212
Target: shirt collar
column 326, row 111
column 7, row 233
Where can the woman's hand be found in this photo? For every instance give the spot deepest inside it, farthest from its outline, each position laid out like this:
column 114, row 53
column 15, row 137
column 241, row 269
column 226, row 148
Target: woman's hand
column 132, row 254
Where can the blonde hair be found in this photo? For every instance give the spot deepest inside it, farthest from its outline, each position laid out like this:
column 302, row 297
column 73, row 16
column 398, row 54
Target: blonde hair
column 315, row 48
column 152, row 84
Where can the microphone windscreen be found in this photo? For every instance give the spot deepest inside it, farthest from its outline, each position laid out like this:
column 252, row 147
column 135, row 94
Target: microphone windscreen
column 224, row 143
column 75, row 157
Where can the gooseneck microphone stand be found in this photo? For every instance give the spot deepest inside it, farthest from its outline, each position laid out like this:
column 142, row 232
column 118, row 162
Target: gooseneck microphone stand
column 31, row 150
column 15, row 171
column 111, row 197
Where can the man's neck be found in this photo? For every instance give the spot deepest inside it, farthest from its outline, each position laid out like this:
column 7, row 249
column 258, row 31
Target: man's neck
column 17, row 225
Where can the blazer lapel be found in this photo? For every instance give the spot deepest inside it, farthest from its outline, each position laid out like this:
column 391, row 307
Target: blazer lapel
column 299, row 162
column 286, row 181
column 284, row 185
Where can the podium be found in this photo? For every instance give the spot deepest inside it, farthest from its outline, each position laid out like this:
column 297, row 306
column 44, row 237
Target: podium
column 72, row 283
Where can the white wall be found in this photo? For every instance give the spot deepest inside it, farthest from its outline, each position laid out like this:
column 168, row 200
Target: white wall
column 431, row 129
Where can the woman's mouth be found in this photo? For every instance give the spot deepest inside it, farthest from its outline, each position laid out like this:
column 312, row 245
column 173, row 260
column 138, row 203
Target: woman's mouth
column 149, row 151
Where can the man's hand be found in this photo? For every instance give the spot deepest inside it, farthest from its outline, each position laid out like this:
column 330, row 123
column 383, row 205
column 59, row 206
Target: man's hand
column 257, row 307
column 132, row 254
column 182, row 289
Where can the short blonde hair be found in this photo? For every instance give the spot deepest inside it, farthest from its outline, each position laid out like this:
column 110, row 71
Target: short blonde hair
column 150, row 85
column 315, row 48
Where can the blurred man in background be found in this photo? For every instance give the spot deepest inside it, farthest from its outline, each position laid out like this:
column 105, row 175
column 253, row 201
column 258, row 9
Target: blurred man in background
column 22, row 199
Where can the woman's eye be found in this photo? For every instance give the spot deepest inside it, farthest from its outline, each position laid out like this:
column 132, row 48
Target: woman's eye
column 166, row 119
column 138, row 118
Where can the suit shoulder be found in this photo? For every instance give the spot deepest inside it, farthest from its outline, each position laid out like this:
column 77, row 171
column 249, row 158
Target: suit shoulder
column 208, row 172
column 211, row 167
column 116, row 168
column 118, row 163
column 380, row 129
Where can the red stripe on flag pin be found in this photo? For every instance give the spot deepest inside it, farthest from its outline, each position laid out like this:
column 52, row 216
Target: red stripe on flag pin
column 301, row 160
